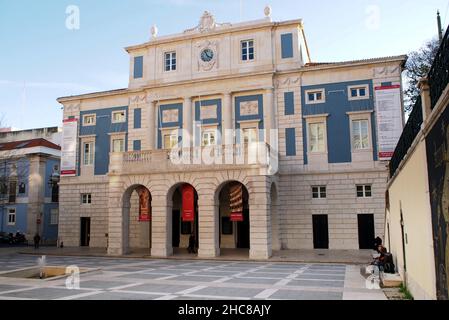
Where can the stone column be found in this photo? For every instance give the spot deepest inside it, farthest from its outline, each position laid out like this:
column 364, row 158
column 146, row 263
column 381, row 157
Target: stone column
column 209, row 243
column 161, row 227
column 269, row 114
column 36, row 191
column 227, row 118
column 260, row 219
column 187, row 122
column 152, row 118
column 117, row 244
column 424, row 87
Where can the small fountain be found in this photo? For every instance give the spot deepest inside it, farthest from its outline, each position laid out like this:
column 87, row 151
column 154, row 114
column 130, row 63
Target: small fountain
column 42, row 262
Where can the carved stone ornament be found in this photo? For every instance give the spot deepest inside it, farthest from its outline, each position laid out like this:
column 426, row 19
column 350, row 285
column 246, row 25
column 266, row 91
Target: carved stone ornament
column 249, row 108
column 387, row 71
column 288, row 82
column 207, row 65
column 170, row 116
column 208, row 112
column 207, row 23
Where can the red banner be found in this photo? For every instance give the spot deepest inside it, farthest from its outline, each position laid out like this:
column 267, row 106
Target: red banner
column 188, row 203
column 236, row 202
column 144, row 204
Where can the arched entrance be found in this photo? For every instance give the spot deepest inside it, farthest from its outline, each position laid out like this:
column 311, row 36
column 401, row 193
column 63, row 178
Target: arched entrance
column 234, row 218
column 184, row 206
column 137, row 220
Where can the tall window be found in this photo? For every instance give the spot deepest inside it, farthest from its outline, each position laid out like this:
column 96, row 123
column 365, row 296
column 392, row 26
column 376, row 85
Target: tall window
column 118, row 145
column 360, row 134
column 55, row 193
column 170, row 61
column 54, row 216
column 319, row 192
column 86, row 198
column 12, row 191
column 208, row 138
column 250, row 135
column 316, row 137
column 88, row 153
column 170, row 141
column 247, row 50
column 11, row 217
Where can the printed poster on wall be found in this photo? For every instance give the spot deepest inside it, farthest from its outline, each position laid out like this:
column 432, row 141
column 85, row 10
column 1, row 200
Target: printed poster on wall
column 389, row 119
column 69, row 146
column 236, row 202
column 188, row 203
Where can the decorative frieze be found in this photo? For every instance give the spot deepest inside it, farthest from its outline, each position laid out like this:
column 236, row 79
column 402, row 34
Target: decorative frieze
column 169, row 116
column 209, row 112
column 249, row 108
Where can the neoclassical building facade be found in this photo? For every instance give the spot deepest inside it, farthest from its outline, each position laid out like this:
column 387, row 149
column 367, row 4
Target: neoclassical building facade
column 277, row 152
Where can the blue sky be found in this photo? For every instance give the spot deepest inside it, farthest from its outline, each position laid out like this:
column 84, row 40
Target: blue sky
column 41, row 60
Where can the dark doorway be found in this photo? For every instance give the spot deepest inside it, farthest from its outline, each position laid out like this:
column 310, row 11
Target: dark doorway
column 320, row 232
column 366, row 231
column 243, row 231
column 176, row 228
column 85, row 232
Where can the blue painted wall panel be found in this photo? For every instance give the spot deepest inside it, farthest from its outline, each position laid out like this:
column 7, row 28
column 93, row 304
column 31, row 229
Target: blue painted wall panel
column 239, row 117
column 49, row 165
column 137, row 118
column 102, row 129
column 138, row 67
column 217, row 120
column 338, row 127
column 137, row 145
column 287, row 45
column 290, row 141
column 161, row 125
column 21, row 218
column 289, row 99
column 50, row 232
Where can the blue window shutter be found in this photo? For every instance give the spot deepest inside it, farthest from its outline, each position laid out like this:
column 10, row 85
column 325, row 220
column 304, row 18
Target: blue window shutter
column 137, row 145
column 137, row 118
column 289, row 99
column 290, row 141
column 138, row 67
column 287, row 45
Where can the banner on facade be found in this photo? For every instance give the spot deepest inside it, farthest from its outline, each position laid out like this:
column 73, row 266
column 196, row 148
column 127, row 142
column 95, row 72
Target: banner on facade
column 389, row 119
column 144, row 204
column 236, row 202
column 69, row 147
column 188, row 203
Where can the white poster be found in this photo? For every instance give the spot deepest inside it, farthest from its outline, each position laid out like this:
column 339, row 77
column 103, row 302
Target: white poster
column 69, row 146
column 389, row 119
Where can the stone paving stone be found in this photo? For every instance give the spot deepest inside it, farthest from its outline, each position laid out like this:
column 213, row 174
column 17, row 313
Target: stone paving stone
column 316, row 283
column 128, row 269
column 112, row 295
column 45, row 293
column 100, row 284
column 143, row 276
column 253, row 281
column 195, row 298
column 7, row 287
column 163, row 288
column 215, row 273
column 195, row 278
column 324, row 272
column 229, row 292
column 266, row 275
column 276, row 271
column 306, row 295
column 321, row 277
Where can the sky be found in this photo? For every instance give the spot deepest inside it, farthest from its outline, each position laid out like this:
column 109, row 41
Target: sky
column 43, row 58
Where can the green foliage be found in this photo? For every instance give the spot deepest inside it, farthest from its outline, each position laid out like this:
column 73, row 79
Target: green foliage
column 417, row 67
column 404, row 290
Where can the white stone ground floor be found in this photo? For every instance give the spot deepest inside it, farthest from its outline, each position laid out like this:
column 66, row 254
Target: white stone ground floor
column 279, row 211
column 137, row 279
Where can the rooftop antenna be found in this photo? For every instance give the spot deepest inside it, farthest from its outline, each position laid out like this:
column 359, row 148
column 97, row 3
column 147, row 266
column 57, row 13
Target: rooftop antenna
column 440, row 29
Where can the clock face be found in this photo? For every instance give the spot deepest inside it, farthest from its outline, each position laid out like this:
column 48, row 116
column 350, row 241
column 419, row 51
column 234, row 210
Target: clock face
column 207, row 55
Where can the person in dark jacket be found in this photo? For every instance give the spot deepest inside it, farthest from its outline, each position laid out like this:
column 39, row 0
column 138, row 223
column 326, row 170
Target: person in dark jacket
column 37, row 240
column 192, row 244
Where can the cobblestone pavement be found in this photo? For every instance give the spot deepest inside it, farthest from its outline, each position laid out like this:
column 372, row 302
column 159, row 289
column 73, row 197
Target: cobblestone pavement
column 136, row 279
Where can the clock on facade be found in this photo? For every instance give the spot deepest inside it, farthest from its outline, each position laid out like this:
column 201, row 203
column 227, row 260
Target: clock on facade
column 207, row 55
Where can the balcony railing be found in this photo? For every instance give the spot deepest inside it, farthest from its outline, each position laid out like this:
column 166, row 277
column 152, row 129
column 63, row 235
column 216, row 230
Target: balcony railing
column 439, row 72
column 409, row 134
column 257, row 155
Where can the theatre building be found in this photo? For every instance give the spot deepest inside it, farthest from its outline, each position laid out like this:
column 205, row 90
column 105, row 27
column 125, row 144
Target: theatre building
column 228, row 132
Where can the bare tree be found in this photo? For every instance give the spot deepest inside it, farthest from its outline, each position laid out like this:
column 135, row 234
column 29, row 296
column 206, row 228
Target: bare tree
column 417, row 67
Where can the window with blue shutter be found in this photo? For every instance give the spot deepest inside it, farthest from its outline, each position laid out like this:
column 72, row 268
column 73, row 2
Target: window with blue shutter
column 290, row 142
column 287, row 45
column 289, row 100
column 137, row 118
column 138, row 67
